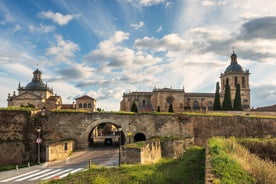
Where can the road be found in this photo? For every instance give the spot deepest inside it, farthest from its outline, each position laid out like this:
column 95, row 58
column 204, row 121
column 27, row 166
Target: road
column 77, row 162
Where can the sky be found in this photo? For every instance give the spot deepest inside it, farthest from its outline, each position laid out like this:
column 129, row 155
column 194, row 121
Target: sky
column 104, row 48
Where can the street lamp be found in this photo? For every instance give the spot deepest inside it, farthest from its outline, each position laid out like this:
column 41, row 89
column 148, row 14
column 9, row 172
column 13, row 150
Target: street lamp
column 38, row 141
column 120, row 136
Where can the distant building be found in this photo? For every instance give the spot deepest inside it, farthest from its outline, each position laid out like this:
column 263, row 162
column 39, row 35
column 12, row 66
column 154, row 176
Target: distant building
column 36, row 93
column 84, row 102
column 182, row 101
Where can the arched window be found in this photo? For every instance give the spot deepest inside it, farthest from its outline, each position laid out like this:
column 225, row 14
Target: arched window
column 210, row 105
column 144, row 102
column 80, row 105
column 196, row 105
column 89, row 105
column 84, row 105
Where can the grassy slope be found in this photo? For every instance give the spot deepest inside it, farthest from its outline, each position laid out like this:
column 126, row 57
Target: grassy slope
column 189, row 169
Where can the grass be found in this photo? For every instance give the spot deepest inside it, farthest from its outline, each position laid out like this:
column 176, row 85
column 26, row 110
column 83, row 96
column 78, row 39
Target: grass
column 13, row 167
column 225, row 168
column 189, row 169
column 233, row 163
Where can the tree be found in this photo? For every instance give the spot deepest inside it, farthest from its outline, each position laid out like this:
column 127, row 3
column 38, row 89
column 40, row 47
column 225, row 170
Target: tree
column 237, row 100
column 217, row 106
column 134, row 107
column 171, row 108
column 158, row 109
column 227, row 103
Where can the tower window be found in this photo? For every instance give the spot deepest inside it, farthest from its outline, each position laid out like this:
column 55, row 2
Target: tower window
column 236, row 81
column 243, row 82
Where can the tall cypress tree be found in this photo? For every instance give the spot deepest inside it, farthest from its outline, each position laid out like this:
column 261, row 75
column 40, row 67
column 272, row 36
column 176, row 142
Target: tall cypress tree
column 171, row 108
column 217, row 106
column 237, row 100
column 134, row 107
column 227, row 103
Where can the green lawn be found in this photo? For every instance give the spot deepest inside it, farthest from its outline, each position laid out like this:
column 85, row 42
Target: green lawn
column 189, row 169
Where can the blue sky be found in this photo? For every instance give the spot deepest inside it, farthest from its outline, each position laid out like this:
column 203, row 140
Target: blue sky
column 103, row 48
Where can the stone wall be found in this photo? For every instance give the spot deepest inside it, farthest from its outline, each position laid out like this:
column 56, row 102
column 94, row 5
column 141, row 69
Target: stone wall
column 150, row 153
column 59, row 150
column 154, row 150
column 17, row 140
column 174, row 148
column 18, row 129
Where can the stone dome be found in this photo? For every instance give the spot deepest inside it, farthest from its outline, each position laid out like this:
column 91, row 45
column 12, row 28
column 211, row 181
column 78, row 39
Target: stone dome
column 36, row 83
column 234, row 66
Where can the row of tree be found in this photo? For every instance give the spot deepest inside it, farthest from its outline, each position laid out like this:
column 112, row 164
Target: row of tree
column 227, row 102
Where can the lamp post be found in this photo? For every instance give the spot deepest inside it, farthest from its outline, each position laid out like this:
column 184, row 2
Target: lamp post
column 38, row 141
column 120, row 137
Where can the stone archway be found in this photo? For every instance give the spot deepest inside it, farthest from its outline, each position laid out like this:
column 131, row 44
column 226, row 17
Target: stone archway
column 105, row 131
column 139, row 137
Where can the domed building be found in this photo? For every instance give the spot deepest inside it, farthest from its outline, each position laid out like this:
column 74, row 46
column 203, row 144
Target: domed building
column 236, row 75
column 36, row 94
column 161, row 99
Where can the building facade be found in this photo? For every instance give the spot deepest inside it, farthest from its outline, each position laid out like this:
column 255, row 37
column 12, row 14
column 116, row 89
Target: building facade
column 160, row 99
column 36, row 94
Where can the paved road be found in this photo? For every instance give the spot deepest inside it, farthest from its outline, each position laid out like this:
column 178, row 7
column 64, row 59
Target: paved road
column 100, row 155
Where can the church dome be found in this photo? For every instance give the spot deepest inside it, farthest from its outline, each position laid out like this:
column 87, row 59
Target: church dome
column 36, row 83
column 234, row 66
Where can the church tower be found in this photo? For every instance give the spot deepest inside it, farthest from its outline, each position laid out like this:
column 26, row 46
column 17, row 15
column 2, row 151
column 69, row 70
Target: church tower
column 236, row 75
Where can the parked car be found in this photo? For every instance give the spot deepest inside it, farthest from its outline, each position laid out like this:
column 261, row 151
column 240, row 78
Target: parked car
column 108, row 141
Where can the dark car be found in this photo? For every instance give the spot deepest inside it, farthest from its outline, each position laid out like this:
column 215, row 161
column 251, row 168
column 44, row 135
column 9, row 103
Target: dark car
column 108, row 141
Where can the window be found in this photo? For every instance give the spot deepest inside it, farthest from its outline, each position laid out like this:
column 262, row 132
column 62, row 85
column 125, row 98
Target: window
column 144, row 102
column 80, row 105
column 236, row 81
column 84, row 105
column 243, row 82
column 210, row 105
column 65, row 146
column 196, row 105
column 89, row 105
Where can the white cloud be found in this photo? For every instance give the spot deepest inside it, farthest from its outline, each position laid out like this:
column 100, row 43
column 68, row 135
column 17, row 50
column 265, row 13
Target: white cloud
column 63, row 50
column 41, row 28
column 8, row 19
column 168, row 42
column 159, row 29
column 148, row 2
column 137, row 26
column 57, row 17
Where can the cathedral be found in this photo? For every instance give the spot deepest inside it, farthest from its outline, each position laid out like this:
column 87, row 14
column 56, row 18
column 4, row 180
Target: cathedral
column 161, row 99
column 36, row 93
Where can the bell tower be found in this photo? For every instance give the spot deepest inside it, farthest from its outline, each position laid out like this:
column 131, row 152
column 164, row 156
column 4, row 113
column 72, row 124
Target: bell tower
column 236, row 75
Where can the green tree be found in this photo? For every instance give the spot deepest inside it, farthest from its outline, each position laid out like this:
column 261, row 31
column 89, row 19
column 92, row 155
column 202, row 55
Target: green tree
column 158, row 109
column 217, row 106
column 134, row 107
column 171, row 108
column 227, row 103
column 237, row 100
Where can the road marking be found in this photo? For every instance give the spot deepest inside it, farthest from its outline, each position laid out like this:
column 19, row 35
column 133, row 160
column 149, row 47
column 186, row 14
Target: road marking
column 46, row 174
column 32, row 175
column 71, row 172
column 22, row 175
column 56, row 174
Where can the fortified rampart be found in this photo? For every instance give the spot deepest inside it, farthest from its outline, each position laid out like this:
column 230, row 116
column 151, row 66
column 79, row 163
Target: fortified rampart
column 18, row 129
